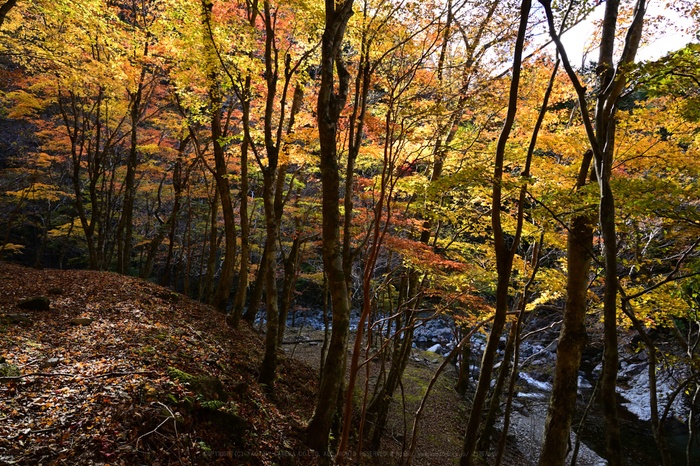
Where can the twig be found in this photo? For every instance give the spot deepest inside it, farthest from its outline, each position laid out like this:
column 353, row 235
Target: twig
column 151, row 432
column 548, row 327
column 177, row 436
column 524, row 363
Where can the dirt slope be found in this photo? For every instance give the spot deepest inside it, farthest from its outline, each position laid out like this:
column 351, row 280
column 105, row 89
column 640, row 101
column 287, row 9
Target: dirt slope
column 106, row 393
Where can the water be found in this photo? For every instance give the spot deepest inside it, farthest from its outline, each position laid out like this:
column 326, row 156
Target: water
column 639, row 446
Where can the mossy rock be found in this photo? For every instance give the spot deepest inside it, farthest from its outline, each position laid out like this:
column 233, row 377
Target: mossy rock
column 208, row 386
column 224, row 421
column 16, row 318
column 9, row 370
column 37, row 303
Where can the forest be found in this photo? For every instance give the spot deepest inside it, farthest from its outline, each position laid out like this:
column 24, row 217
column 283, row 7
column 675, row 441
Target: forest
column 382, row 165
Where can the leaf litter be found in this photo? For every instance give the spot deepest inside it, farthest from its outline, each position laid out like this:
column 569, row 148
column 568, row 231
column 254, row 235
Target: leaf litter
column 107, row 397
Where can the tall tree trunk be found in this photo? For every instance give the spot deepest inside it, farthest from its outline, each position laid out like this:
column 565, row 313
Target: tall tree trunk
column 223, row 289
column 572, row 340
column 268, row 366
column 504, row 254
column 242, row 287
column 601, row 137
column 126, row 227
column 330, row 105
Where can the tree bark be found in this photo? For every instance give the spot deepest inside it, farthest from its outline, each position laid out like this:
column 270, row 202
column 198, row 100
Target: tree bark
column 5, row 9
column 330, row 105
column 223, row 289
column 126, row 227
column 602, row 140
column 504, row 254
column 572, row 340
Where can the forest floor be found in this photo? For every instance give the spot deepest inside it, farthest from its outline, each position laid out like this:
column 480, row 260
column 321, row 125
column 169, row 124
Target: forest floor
column 153, row 377
column 104, row 393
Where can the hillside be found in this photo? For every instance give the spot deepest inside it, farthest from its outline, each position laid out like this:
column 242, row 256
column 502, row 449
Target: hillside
column 109, row 392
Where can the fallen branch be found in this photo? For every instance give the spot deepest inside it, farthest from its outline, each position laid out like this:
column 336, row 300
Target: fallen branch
column 301, row 341
column 96, row 376
column 32, row 432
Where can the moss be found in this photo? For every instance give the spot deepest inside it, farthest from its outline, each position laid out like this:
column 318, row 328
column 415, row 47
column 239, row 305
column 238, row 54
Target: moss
column 213, row 404
column 177, row 374
column 208, row 386
column 9, row 370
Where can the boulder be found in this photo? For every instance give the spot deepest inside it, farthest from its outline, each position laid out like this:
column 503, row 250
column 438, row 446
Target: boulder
column 47, row 363
column 82, row 321
column 56, row 290
column 208, row 386
column 9, row 370
column 37, row 303
column 435, row 348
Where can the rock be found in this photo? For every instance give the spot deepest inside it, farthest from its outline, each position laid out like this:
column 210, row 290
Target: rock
column 435, row 348
column 51, row 362
column 37, row 303
column 208, row 386
column 313, row 343
column 82, row 321
column 15, row 318
column 9, row 370
column 56, row 290
column 583, row 383
column 230, row 423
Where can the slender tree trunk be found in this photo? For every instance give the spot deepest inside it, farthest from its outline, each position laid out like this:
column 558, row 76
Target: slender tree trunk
column 504, row 254
column 242, row 287
column 172, row 218
column 495, row 401
column 126, row 227
column 65, row 242
column 269, row 364
column 330, row 105
column 657, row 425
column 602, row 141
column 290, row 273
column 257, row 292
column 223, row 289
column 213, row 247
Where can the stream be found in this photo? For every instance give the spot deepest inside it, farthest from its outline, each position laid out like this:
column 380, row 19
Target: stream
column 637, row 438
column 638, row 441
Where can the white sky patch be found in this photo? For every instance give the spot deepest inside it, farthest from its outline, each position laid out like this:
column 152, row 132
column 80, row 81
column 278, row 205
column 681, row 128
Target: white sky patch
column 668, row 39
